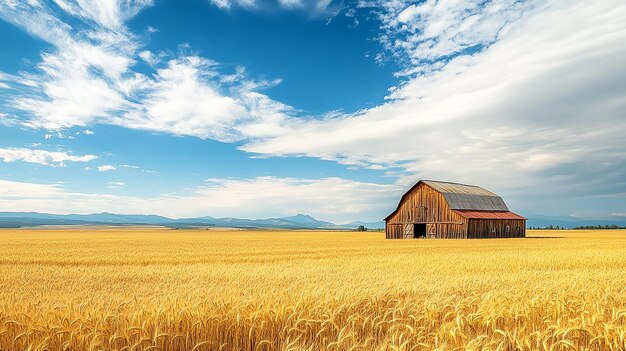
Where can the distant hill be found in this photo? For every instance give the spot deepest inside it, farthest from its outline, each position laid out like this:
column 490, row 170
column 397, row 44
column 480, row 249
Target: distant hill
column 300, row 221
column 29, row 219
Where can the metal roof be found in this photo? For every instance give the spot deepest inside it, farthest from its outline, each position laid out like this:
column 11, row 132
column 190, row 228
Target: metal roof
column 462, row 196
column 468, row 197
column 489, row 214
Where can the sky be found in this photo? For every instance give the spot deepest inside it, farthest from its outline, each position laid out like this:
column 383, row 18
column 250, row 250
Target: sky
column 265, row 108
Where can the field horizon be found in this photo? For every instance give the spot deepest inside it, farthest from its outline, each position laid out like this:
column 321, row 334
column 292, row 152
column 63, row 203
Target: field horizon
column 160, row 289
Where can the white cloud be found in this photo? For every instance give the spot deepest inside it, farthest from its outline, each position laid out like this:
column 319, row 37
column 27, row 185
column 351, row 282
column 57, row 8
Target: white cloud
column 515, row 96
column 89, row 79
column 227, row 4
column 86, row 77
column 110, row 14
column 291, row 3
column 334, row 199
column 88, row 132
column 148, row 57
column 315, row 8
column 11, row 192
column 422, row 34
column 106, row 168
column 43, row 157
column 541, row 108
column 116, row 185
column 183, row 100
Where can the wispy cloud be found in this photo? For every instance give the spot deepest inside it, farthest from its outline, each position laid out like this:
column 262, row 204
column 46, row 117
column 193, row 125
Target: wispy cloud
column 42, row 157
column 108, row 14
column 315, row 8
column 87, row 76
column 333, row 199
column 227, row 4
column 116, row 185
column 526, row 98
column 11, row 191
column 425, row 36
column 89, row 79
column 106, row 168
column 538, row 111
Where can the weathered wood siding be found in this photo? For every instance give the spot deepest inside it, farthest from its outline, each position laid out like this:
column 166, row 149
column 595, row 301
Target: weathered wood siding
column 425, row 205
column 496, row 228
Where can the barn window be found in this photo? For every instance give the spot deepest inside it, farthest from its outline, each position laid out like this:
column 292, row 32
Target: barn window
column 508, row 229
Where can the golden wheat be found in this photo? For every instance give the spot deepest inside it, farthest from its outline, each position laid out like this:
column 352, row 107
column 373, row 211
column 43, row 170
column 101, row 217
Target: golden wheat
column 157, row 289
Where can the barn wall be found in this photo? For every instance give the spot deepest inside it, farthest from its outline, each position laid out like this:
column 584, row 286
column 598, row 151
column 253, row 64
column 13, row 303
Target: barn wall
column 496, row 228
column 393, row 231
column 425, row 205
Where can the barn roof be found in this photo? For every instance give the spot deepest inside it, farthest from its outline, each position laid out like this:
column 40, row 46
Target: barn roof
column 468, row 197
column 462, row 197
column 488, row 214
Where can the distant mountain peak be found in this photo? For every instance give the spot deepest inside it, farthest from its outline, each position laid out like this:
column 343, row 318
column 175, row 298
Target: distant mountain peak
column 301, row 216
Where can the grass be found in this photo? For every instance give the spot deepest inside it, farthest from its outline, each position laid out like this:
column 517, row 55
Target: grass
column 157, row 289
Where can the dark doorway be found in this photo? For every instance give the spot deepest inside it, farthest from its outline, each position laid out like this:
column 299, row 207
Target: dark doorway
column 419, row 230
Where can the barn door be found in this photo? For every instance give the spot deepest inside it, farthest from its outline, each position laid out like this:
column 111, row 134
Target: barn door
column 431, row 231
column 419, row 230
column 408, row 231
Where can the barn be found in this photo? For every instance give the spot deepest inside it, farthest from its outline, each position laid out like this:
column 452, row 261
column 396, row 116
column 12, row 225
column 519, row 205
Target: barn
column 435, row 209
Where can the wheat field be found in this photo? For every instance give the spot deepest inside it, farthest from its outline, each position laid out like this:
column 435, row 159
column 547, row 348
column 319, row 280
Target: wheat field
column 160, row 289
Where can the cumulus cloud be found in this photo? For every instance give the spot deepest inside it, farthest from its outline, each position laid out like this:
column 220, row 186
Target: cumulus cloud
column 89, row 78
column 42, row 157
column 184, row 100
column 334, row 199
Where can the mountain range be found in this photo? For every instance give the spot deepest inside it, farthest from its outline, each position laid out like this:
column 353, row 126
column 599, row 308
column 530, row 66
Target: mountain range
column 300, row 221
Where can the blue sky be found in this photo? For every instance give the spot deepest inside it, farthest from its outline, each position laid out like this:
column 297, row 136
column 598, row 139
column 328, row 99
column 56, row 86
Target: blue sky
column 257, row 108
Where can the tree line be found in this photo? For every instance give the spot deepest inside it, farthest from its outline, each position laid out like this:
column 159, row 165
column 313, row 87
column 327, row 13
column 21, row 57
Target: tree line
column 587, row 227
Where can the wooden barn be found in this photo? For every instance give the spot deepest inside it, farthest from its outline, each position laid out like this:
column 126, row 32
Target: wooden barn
column 434, row 209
